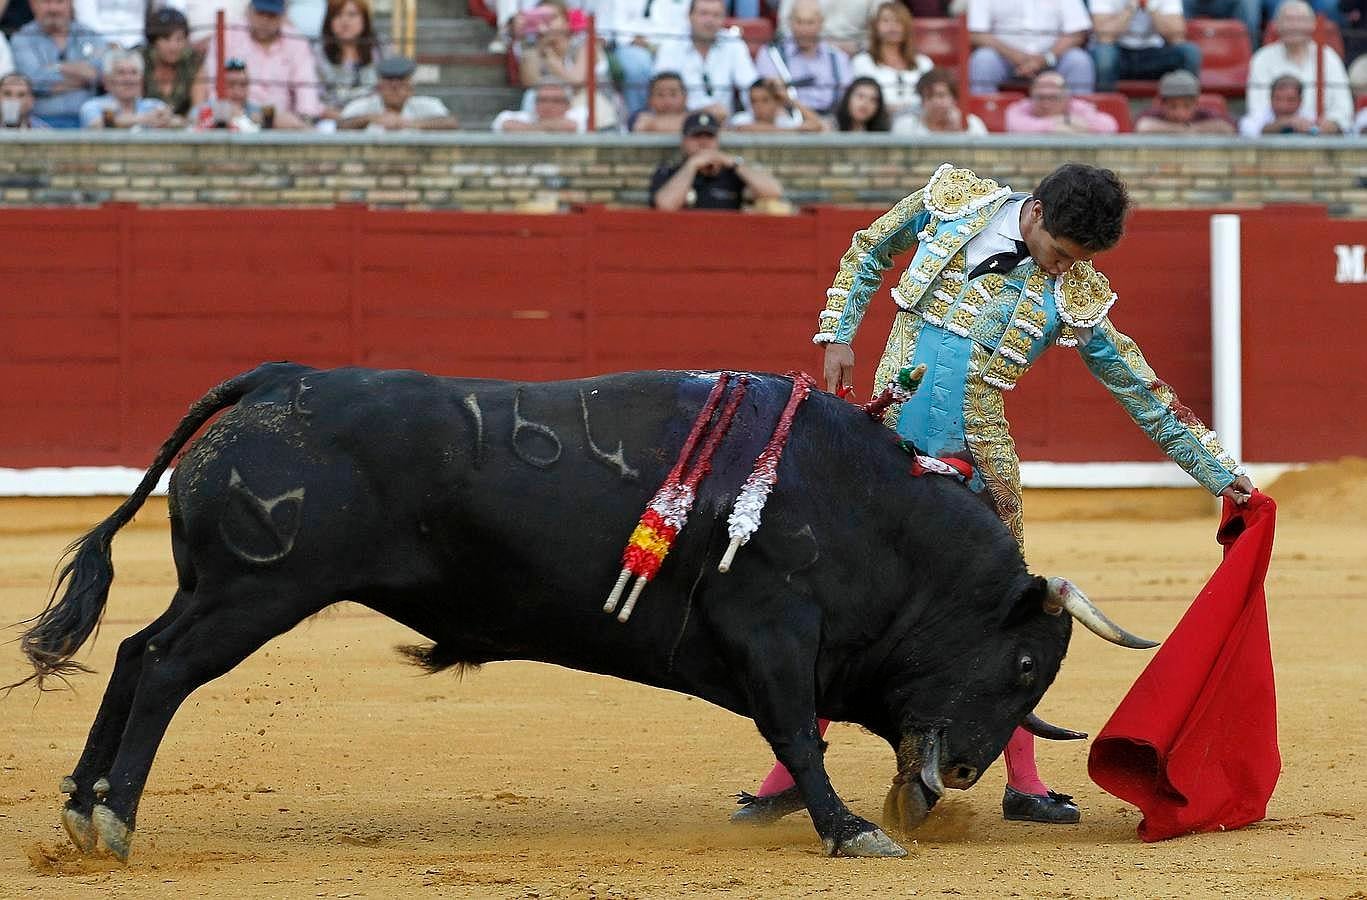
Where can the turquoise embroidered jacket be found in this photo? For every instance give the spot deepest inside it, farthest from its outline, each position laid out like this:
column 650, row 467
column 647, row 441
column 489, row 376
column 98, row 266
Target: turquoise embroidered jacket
column 977, row 338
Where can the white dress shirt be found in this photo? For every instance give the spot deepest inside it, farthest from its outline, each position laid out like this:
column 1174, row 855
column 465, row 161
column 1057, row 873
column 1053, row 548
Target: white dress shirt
column 1031, row 26
column 710, row 79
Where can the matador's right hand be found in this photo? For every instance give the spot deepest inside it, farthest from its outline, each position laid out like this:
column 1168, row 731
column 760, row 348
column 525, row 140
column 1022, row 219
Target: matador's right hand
column 838, row 366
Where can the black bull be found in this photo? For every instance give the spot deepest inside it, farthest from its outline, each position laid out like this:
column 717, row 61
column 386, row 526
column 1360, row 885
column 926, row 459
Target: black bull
column 490, row 517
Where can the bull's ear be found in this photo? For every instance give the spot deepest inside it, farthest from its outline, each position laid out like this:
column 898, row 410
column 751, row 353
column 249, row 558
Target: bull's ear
column 1030, row 603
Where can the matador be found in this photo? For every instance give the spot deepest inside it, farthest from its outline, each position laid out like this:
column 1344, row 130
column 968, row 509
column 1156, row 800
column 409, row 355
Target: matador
column 997, row 278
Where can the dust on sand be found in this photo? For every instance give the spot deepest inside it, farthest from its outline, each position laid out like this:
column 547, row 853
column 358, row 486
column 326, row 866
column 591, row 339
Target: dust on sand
column 324, row 767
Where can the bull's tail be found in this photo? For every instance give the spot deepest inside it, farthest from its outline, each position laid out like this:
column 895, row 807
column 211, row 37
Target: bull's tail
column 64, row 625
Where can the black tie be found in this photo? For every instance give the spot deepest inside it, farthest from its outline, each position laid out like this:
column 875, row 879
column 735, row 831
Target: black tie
column 1001, row 263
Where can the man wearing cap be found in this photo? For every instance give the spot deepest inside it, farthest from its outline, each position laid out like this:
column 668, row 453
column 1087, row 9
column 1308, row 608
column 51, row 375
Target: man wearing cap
column 279, row 58
column 1177, row 110
column 393, row 107
column 1139, row 40
column 707, row 178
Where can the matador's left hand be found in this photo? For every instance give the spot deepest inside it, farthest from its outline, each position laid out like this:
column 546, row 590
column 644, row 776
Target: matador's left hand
column 1240, row 490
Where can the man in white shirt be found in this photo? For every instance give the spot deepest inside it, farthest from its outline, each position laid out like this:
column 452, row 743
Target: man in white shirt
column 1293, row 54
column 393, row 107
column 715, row 67
column 1015, row 41
column 551, row 113
column 1141, row 40
column 634, row 30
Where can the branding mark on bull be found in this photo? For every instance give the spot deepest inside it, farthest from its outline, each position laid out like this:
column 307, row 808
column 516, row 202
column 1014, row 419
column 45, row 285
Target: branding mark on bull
column 260, row 530
column 297, row 402
column 472, row 407
column 521, row 425
column 617, row 459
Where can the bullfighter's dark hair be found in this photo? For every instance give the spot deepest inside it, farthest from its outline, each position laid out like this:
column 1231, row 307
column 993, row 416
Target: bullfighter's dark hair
column 1084, row 204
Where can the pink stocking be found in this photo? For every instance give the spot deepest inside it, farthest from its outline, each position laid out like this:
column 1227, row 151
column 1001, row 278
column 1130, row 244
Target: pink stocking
column 778, row 779
column 1021, row 773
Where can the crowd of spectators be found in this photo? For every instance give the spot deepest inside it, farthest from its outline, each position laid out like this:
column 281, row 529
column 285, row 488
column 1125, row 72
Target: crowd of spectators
column 131, row 64
column 834, row 65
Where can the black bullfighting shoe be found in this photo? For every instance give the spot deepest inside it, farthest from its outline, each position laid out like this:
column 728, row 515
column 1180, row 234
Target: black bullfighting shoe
column 764, row 810
column 1050, row 808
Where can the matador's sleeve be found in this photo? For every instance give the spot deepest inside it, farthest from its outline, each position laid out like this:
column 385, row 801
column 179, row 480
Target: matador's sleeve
column 861, row 268
column 1116, row 362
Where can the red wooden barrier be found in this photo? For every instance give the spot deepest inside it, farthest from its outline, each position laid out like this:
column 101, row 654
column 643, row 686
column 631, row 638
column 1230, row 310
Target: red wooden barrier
column 115, row 319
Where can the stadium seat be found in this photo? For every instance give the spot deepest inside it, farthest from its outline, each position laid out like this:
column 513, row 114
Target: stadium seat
column 1329, row 33
column 756, row 32
column 991, row 108
column 1225, row 54
column 945, row 41
column 1116, row 105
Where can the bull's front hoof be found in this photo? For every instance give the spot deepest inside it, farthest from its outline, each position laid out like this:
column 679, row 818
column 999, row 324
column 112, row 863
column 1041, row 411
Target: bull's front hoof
column 866, row 843
column 79, row 829
column 113, row 833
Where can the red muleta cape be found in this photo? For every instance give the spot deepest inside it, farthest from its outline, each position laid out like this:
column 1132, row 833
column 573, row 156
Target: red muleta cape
column 1194, row 742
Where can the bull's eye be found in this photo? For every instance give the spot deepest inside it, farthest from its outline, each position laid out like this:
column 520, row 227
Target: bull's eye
column 1027, row 665
column 1027, row 670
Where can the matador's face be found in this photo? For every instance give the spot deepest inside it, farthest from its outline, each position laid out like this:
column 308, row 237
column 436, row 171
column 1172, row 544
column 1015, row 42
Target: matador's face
column 1051, row 253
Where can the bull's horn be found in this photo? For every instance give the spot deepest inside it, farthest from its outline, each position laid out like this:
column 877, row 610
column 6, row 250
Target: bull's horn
column 1063, row 594
column 930, row 764
column 1042, row 729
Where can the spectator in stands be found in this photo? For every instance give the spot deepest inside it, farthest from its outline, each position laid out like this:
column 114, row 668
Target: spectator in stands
column 1178, row 110
column 61, row 58
column 772, row 108
column 393, row 107
column 816, row 71
column 235, row 111
column 552, row 113
column 1050, row 109
column 125, row 106
column 1285, row 113
column 120, row 22
column 715, row 66
column 283, row 76
column 705, row 177
column 170, row 65
column 1140, row 40
column 14, row 15
column 634, row 30
column 666, row 106
column 16, row 103
column 846, row 21
column 892, row 58
column 1353, row 21
column 6, row 57
column 940, row 112
column 1293, row 54
column 554, row 53
column 1017, row 40
column 862, row 107
column 346, row 54
column 1249, row 12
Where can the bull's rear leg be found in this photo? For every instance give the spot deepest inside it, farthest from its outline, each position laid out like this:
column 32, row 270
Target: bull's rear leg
column 215, row 633
column 780, row 678
column 85, row 784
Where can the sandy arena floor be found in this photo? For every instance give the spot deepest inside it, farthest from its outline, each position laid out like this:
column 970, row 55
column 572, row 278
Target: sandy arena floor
column 323, row 767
